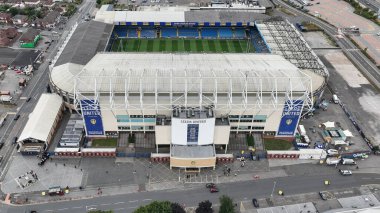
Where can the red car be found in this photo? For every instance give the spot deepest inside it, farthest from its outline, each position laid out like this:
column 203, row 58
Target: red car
column 214, row 189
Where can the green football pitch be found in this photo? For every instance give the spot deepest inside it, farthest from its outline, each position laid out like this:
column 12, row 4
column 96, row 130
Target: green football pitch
column 182, row 45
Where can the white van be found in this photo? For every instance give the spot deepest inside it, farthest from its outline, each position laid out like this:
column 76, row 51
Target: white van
column 347, row 161
column 332, row 161
column 335, row 99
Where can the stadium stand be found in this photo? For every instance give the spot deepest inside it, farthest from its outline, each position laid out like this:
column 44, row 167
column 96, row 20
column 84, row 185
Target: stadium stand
column 121, row 32
column 239, row 33
column 209, row 33
column 225, row 33
column 148, row 33
column 132, row 33
column 168, row 32
column 258, row 42
column 188, row 32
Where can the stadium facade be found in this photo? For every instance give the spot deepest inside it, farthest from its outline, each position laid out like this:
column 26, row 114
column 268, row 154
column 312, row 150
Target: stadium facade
column 191, row 100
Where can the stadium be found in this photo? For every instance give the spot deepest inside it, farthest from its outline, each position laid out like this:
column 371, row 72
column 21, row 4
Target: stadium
column 190, row 78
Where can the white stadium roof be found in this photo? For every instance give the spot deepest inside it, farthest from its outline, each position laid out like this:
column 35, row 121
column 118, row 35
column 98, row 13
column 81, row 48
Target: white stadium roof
column 151, row 72
column 42, row 118
column 149, row 16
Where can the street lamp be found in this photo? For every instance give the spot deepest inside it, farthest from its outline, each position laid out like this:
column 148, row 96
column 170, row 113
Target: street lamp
column 274, row 186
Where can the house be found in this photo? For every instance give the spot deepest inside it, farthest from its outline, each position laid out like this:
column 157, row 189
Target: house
column 7, row 36
column 5, row 18
column 49, row 21
column 30, row 38
column 47, row 3
column 20, row 19
column 32, row 3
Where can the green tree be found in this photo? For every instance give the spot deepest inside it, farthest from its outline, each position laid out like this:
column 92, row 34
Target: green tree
column 204, row 207
column 176, row 208
column 156, row 206
column 14, row 11
column 98, row 1
column 226, row 205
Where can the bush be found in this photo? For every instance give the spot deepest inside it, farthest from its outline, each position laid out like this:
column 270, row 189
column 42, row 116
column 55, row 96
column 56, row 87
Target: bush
column 226, row 205
column 155, row 206
column 250, row 140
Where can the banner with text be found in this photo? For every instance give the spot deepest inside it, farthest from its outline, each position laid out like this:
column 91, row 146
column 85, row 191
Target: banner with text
column 92, row 117
column 290, row 117
column 193, row 131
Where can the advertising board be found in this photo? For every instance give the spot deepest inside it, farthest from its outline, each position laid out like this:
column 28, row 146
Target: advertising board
column 290, row 117
column 92, row 117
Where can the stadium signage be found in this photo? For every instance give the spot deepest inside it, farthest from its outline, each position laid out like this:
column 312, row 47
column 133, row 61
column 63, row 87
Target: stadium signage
column 185, row 24
column 92, row 117
column 193, row 121
column 290, row 117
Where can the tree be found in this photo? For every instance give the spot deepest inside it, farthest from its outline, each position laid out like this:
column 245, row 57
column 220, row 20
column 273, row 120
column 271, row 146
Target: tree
column 226, row 205
column 98, row 1
column 204, row 207
column 176, row 208
column 156, row 206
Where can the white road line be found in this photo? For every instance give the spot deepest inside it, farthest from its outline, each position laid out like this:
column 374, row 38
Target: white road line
column 118, row 209
column 366, row 178
column 377, row 178
column 77, row 207
column 105, row 204
column 132, row 207
column 119, row 203
column 147, row 199
column 133, row 201
column 62, row 209
column 49, row 210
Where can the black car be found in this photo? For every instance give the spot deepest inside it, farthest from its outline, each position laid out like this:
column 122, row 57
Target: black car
column 16, row 117
column 255, row 203
column 15, row 140
column 210, row 185
column 27, row 100
column 1, row 145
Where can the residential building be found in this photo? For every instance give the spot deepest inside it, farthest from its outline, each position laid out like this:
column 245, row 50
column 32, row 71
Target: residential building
column 30, row 38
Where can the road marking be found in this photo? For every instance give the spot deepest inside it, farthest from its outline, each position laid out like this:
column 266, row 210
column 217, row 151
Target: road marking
column 77, row 207
column 119, row 209
column 49, row 210
column 119, row 203
column 62, row 209
column 377, row 178
column 105, row 204
column 132, row 207
column 133, row 201
column 366, row 178
column 147, row 199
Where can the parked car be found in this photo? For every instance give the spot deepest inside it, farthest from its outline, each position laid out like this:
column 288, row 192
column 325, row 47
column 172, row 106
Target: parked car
column 345, row 172
column 27, row 100
column 214, row 189
column 15, row 140
column 1, row 145
column 17, row 117
column 255, row 203
column 210, row 185
column 332, row 152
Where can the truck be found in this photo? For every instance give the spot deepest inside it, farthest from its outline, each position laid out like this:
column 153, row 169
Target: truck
column 302, row 130
column 332, row 161
column 5, row 98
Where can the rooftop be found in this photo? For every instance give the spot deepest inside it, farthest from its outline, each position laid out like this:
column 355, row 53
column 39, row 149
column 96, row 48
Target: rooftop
column 29, row 35
column 192, row 151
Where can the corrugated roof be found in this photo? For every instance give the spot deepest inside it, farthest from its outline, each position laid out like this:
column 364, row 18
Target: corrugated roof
column 88, row 39
column 42, row 118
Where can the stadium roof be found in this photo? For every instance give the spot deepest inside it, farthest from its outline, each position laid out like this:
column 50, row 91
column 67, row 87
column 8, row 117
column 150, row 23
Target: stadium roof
column 151, row 72
column 116, row 17
column 42, row 118
column 88, row 39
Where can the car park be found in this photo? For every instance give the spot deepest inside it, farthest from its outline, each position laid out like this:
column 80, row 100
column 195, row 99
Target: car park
column 255, row 203
column 345, row 172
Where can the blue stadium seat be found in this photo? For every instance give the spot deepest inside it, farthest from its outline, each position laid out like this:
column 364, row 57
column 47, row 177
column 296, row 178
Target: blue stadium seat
column 225, row 33
column 168, row 32
column 258, row 41
column 209, row 33
column 188, row 32
column 239, row 33
column 148, row 33
column 132, row 33
column 121, row 32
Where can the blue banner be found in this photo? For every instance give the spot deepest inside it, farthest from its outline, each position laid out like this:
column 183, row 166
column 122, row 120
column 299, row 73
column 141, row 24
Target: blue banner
column 92, row 117
column 192, row 133
column 290, row 117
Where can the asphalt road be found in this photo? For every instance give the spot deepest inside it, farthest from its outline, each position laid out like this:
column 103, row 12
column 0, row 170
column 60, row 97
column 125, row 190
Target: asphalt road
column 347, row 46
column 239, row 191
column 371, row 4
